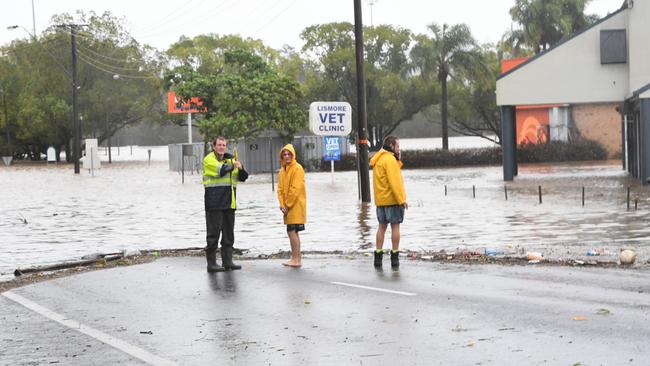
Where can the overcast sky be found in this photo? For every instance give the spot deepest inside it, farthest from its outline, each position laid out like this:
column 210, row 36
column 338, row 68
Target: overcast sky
column 277, row 22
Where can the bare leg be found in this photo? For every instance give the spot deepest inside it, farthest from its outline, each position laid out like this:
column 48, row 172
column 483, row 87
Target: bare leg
column 296, row 260
column 394, row 236
column 381, row 232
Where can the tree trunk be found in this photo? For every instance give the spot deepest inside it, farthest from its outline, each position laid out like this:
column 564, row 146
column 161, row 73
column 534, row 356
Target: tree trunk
column 443, row 112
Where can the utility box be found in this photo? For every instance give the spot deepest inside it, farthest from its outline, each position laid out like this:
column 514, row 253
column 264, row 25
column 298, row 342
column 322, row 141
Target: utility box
column 51, row 155
column 91, row 159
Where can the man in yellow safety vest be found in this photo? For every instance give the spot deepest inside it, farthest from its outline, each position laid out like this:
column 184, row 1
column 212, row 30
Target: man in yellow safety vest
column 221, row 172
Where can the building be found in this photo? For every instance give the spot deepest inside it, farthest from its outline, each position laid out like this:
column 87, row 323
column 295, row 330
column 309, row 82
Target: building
column 603, row 74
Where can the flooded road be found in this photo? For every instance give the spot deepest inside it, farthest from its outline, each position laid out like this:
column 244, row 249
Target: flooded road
column 48, row 214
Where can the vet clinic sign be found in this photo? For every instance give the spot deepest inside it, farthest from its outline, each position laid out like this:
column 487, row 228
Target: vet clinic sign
column 330, row 118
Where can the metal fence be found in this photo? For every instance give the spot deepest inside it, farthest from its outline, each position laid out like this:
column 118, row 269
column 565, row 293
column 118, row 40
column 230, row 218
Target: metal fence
column 259, row 155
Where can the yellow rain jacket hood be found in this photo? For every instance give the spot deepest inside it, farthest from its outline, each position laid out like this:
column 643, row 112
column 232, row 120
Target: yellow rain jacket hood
column 291, row 189
column 387, row 182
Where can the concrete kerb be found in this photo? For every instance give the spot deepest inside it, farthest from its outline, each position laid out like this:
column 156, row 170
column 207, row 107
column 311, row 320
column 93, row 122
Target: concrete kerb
column 459, row 257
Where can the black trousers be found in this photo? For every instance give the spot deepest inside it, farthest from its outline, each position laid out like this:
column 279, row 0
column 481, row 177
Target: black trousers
column 220, row 223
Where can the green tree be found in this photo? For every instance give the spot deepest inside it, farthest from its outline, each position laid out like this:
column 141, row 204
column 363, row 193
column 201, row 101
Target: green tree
column 449, row 50
column 118, row 83
column 393, row 95
column 473, row 108
column 245, row 98
column 543, row 23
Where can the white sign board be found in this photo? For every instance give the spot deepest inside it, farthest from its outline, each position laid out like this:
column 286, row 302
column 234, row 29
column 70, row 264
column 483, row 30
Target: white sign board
column 330, row 118
column 91, row 160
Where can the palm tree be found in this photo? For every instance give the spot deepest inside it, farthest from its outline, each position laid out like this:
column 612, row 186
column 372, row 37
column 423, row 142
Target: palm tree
column 546, row 22
column 449, row 49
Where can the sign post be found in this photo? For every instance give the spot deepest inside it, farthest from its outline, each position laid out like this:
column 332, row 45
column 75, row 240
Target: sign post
column 331, row 120
column 332, row 151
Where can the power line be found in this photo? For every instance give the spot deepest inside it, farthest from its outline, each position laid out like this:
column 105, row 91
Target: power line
column 112, row 72
column 277, row 15
column 81, row 54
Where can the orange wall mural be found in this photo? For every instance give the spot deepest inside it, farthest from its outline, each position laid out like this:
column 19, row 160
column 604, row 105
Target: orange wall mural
column 532, row 124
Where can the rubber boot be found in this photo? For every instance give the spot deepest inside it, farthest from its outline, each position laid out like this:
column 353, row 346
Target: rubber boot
column 394, row 259
column 211, row 257
column 379, row 256
column 226, row 258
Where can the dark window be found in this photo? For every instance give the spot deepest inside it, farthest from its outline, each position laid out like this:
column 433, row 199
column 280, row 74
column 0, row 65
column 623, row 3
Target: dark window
column 613, row 46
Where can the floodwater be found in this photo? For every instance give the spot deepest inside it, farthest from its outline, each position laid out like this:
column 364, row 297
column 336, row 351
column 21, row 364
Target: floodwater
column 48, row 214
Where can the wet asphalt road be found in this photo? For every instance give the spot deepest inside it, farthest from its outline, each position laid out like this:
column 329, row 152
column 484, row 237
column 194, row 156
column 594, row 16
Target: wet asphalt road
column 332, row 311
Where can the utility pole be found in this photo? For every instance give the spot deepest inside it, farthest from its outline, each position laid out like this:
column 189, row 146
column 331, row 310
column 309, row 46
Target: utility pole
column 362, row 123
column 75, row 119
column 76, row 126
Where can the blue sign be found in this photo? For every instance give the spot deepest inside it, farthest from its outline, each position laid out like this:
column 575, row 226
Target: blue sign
column 332, row 148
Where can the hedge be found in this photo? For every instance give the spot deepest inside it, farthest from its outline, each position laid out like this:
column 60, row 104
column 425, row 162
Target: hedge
column 555, row 151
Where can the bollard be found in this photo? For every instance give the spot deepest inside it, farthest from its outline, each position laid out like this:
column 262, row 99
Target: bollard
column 149, row 153
column 583, row 196
column 505, row 190
column 473, row 192
column 636, row 201
column 628, row 198
column 539, row 189
column 445, row 190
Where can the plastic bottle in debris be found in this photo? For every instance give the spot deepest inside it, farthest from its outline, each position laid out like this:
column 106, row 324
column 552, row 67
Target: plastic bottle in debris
column 493, row 251
column 593, row 253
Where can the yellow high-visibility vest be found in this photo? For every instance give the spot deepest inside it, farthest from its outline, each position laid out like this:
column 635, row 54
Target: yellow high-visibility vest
column 211, row 178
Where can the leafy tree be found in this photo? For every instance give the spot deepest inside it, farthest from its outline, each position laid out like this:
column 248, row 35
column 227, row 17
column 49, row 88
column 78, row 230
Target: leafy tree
column 245, row 98
column 449, row 50
column 543, row 23
column 474, row 111
column 117, row 82
column 394, row 94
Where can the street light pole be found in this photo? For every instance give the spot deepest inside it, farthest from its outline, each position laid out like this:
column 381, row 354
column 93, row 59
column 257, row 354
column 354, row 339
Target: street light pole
column 362, row 122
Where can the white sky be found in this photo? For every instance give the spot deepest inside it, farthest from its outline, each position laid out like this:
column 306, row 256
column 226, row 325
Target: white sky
column 277, row 22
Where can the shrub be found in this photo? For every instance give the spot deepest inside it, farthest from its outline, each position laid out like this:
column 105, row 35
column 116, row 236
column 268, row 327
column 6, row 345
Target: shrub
column 554, row 151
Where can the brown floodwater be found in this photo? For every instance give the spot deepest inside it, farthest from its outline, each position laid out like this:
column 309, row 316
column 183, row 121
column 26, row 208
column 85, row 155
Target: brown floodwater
column 48, row 214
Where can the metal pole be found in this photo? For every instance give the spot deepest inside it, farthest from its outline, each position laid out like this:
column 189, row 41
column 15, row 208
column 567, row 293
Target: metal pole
column 332, row 168
column 33, row 20
column 189, row 128
column 583, row 196
column 362, row 127
column 76, row 143
column 271, row 161
column 539, row 188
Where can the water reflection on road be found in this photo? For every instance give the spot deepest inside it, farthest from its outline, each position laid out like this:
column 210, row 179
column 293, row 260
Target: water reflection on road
column 48, row 214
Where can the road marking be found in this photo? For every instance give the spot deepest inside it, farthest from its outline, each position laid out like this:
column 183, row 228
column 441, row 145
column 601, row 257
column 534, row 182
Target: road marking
column 119, row 344
column 375, row 289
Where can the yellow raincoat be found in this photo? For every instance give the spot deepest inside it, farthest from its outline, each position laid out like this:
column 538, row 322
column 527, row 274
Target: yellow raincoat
column 291, row 189
column 387, row 181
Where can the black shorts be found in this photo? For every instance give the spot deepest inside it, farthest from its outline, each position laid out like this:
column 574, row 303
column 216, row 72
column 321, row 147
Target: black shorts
column 295, row 227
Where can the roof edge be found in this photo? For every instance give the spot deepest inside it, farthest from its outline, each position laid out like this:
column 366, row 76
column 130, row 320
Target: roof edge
column 624, row 7
column 641, row 90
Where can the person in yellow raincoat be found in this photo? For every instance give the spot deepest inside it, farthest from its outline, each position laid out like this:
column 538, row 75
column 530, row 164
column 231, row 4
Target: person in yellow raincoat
column 390, row 197
column 292, row 197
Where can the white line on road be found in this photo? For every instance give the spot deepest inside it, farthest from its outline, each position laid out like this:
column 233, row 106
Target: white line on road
column 375, row 289
column 119, row 344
